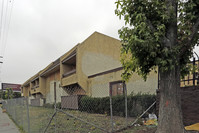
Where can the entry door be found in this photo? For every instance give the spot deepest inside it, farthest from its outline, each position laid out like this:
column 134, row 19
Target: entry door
column 116, row 88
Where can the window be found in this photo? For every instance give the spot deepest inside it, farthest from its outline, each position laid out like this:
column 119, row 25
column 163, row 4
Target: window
column 116, row 88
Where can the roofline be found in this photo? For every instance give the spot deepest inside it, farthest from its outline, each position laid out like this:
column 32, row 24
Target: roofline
column 105, row 72
column 96, row 32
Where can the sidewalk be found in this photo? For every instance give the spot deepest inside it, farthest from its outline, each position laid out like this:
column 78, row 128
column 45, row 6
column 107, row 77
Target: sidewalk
column 6, row 124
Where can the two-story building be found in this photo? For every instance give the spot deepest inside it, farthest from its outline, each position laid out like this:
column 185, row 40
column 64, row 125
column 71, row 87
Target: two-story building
column 90, row 68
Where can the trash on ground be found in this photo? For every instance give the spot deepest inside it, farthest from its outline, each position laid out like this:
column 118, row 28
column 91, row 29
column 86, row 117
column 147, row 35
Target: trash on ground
column 3, row 110
column 152, row 116
column 194, row 127
column 152, row 120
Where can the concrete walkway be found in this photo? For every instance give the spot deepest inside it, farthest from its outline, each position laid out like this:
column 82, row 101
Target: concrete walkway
column 6, row 124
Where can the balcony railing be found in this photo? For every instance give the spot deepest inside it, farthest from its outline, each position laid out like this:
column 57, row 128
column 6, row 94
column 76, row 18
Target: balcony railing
column 34, row 87
column 69, row 73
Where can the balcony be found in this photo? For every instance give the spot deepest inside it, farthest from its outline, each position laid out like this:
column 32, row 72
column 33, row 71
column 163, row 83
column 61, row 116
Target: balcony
column 35, row 89
column 69, row 73
column 68, row 70
column 69, row 79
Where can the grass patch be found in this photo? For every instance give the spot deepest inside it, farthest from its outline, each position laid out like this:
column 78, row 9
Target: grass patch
column 40, row 117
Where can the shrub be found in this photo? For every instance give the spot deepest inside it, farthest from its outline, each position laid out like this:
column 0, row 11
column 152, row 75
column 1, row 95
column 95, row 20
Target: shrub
column 59, row 105
column 137, row 104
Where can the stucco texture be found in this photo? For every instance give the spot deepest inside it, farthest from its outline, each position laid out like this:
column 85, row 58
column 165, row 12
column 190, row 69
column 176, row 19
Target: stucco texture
column 100, row 85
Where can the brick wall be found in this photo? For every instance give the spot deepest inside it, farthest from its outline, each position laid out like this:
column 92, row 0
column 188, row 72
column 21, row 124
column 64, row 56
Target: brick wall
column 190, row 104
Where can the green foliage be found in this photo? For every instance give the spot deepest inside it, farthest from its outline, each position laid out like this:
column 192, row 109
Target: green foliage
column 16, row 95
column 8, row 93
column 145, row 43
column 95, row 105
column 4, row 94
column 137, row 104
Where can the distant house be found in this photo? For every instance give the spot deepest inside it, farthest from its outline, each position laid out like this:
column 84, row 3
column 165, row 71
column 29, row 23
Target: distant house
column 90, row 68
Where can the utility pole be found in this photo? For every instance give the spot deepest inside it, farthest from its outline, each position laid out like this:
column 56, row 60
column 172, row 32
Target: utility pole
column 0, row 81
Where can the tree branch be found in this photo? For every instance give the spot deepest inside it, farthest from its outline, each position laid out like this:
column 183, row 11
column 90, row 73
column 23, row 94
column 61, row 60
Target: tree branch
column 191, row 37
column 164, row 41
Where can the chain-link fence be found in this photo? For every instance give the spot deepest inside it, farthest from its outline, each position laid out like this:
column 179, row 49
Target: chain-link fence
column 29, row 118
column 18, row 111
column 108, row 109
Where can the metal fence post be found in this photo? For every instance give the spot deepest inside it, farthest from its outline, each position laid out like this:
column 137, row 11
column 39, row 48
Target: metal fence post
column 55, row 106
column 22, row 113
column 28, row 117
column 14, row 106
column 111, row 110
column 126, row 109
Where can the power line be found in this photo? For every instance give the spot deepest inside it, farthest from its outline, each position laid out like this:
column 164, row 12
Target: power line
column 1, row 22
column 8, row 24
column 6, row 13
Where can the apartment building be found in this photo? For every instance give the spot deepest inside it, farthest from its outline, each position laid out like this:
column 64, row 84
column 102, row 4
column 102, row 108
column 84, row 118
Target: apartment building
column 90, row 68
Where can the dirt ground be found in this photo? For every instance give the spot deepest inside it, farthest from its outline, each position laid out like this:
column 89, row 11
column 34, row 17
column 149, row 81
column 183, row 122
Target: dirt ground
column 143, row 129
column 147, row 130
column 140, row 129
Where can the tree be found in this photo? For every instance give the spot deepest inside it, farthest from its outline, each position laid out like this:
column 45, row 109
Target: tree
column 8, row 93
column 16, row 95
column 161, row 33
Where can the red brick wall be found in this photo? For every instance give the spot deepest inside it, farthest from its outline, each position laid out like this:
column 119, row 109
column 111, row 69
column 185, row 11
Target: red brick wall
column 190, row 104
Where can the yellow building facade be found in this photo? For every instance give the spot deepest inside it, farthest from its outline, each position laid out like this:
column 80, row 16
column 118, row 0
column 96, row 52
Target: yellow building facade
column 90, row 68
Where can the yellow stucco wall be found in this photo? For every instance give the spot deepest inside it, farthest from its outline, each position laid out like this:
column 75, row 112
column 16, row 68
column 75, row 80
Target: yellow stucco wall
column 26, row 90
column 70, row 79
column 52, row 77
column 99, row 85
column 98, row 53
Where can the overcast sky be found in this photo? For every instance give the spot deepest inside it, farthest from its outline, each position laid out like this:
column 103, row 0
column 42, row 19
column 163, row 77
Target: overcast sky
column 41, row 31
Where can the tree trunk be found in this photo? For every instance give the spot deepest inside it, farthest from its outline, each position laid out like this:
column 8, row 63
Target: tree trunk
column 170, row 114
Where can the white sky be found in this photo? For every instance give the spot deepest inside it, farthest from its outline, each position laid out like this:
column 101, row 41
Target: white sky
column 43, row 30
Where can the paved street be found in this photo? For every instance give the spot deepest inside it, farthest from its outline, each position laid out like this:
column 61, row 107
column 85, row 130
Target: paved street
column 6, row 124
